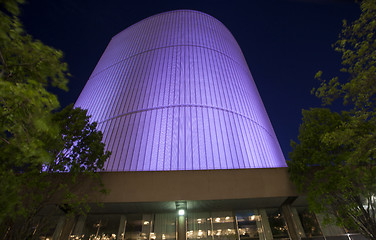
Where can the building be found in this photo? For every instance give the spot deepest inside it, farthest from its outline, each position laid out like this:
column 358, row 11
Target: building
column 194, row 155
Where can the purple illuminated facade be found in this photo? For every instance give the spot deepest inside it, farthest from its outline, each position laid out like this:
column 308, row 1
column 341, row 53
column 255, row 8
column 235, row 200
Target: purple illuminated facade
column 174, row 92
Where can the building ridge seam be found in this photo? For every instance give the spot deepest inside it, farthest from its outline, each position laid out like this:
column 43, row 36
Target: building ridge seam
column 164, row 47
column 186, row 105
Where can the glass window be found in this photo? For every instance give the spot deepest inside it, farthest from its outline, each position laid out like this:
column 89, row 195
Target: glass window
column 277, row 224
column 44, row 227
column 160, row 226
column 199, row 226
column 224, row 226
column 101, row 227
column 215, row 225
column 248, row 224
column 309, row 223
column 137, row 227
column 164, row 226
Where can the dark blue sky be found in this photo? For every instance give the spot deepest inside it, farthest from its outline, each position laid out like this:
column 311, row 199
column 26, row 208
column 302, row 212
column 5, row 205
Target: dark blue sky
column 285, row 42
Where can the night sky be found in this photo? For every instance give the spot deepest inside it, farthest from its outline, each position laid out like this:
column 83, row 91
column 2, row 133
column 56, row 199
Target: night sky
column 285, row 42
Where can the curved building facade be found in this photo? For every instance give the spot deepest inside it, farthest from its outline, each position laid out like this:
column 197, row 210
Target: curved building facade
column 174, row 92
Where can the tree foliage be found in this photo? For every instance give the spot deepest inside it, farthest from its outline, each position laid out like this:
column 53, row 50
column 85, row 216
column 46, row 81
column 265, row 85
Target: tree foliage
column 79, row 153
column 334, row 161
column 36, row 140
column 83, row 150
column 357, row 44
column 27, row 68
column 323, row 166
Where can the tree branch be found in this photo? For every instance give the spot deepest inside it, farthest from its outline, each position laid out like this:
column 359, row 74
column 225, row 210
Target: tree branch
column 3, row 60
column 5, row 140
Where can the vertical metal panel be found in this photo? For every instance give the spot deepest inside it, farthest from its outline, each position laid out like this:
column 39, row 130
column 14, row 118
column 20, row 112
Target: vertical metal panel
column 173, row 92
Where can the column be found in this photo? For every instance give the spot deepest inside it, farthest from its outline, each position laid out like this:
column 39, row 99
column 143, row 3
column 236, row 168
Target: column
column 294, row 232
column 181, row 208
column 122, row 225
column 80, row 224
column 266, row 234
column 59, row 228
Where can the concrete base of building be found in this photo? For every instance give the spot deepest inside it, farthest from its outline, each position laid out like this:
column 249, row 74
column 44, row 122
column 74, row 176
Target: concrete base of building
column 242, row 204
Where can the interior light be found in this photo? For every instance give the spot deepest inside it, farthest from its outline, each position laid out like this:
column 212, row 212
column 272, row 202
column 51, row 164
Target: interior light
column 181, row 212
column 146, row 222
column 227, row 218
column 217, row 219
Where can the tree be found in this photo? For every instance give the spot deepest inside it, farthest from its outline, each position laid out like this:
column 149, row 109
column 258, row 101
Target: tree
column 79, row 153
column 27, row 68
column 334, row 161
column 37, row 141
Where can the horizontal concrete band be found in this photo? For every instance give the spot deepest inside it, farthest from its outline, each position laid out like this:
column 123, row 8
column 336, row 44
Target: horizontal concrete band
column 158, row 186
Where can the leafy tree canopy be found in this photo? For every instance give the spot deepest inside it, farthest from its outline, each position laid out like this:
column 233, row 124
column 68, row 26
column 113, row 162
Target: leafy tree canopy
column 357, row 44
column 334, row 161
column 37, row 140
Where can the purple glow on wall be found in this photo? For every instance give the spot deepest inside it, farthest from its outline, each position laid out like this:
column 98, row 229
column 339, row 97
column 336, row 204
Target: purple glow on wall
column 173, row 92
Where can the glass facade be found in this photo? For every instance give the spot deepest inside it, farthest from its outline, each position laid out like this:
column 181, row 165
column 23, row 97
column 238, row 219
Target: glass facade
column 256, row 224
column 277, row 224
column 158, row 226
column 100, row 226
column 211, row 225
column 249, row 225
column 309, row 223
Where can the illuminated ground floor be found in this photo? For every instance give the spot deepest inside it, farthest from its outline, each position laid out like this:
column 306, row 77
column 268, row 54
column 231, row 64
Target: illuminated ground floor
column 206, row 205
